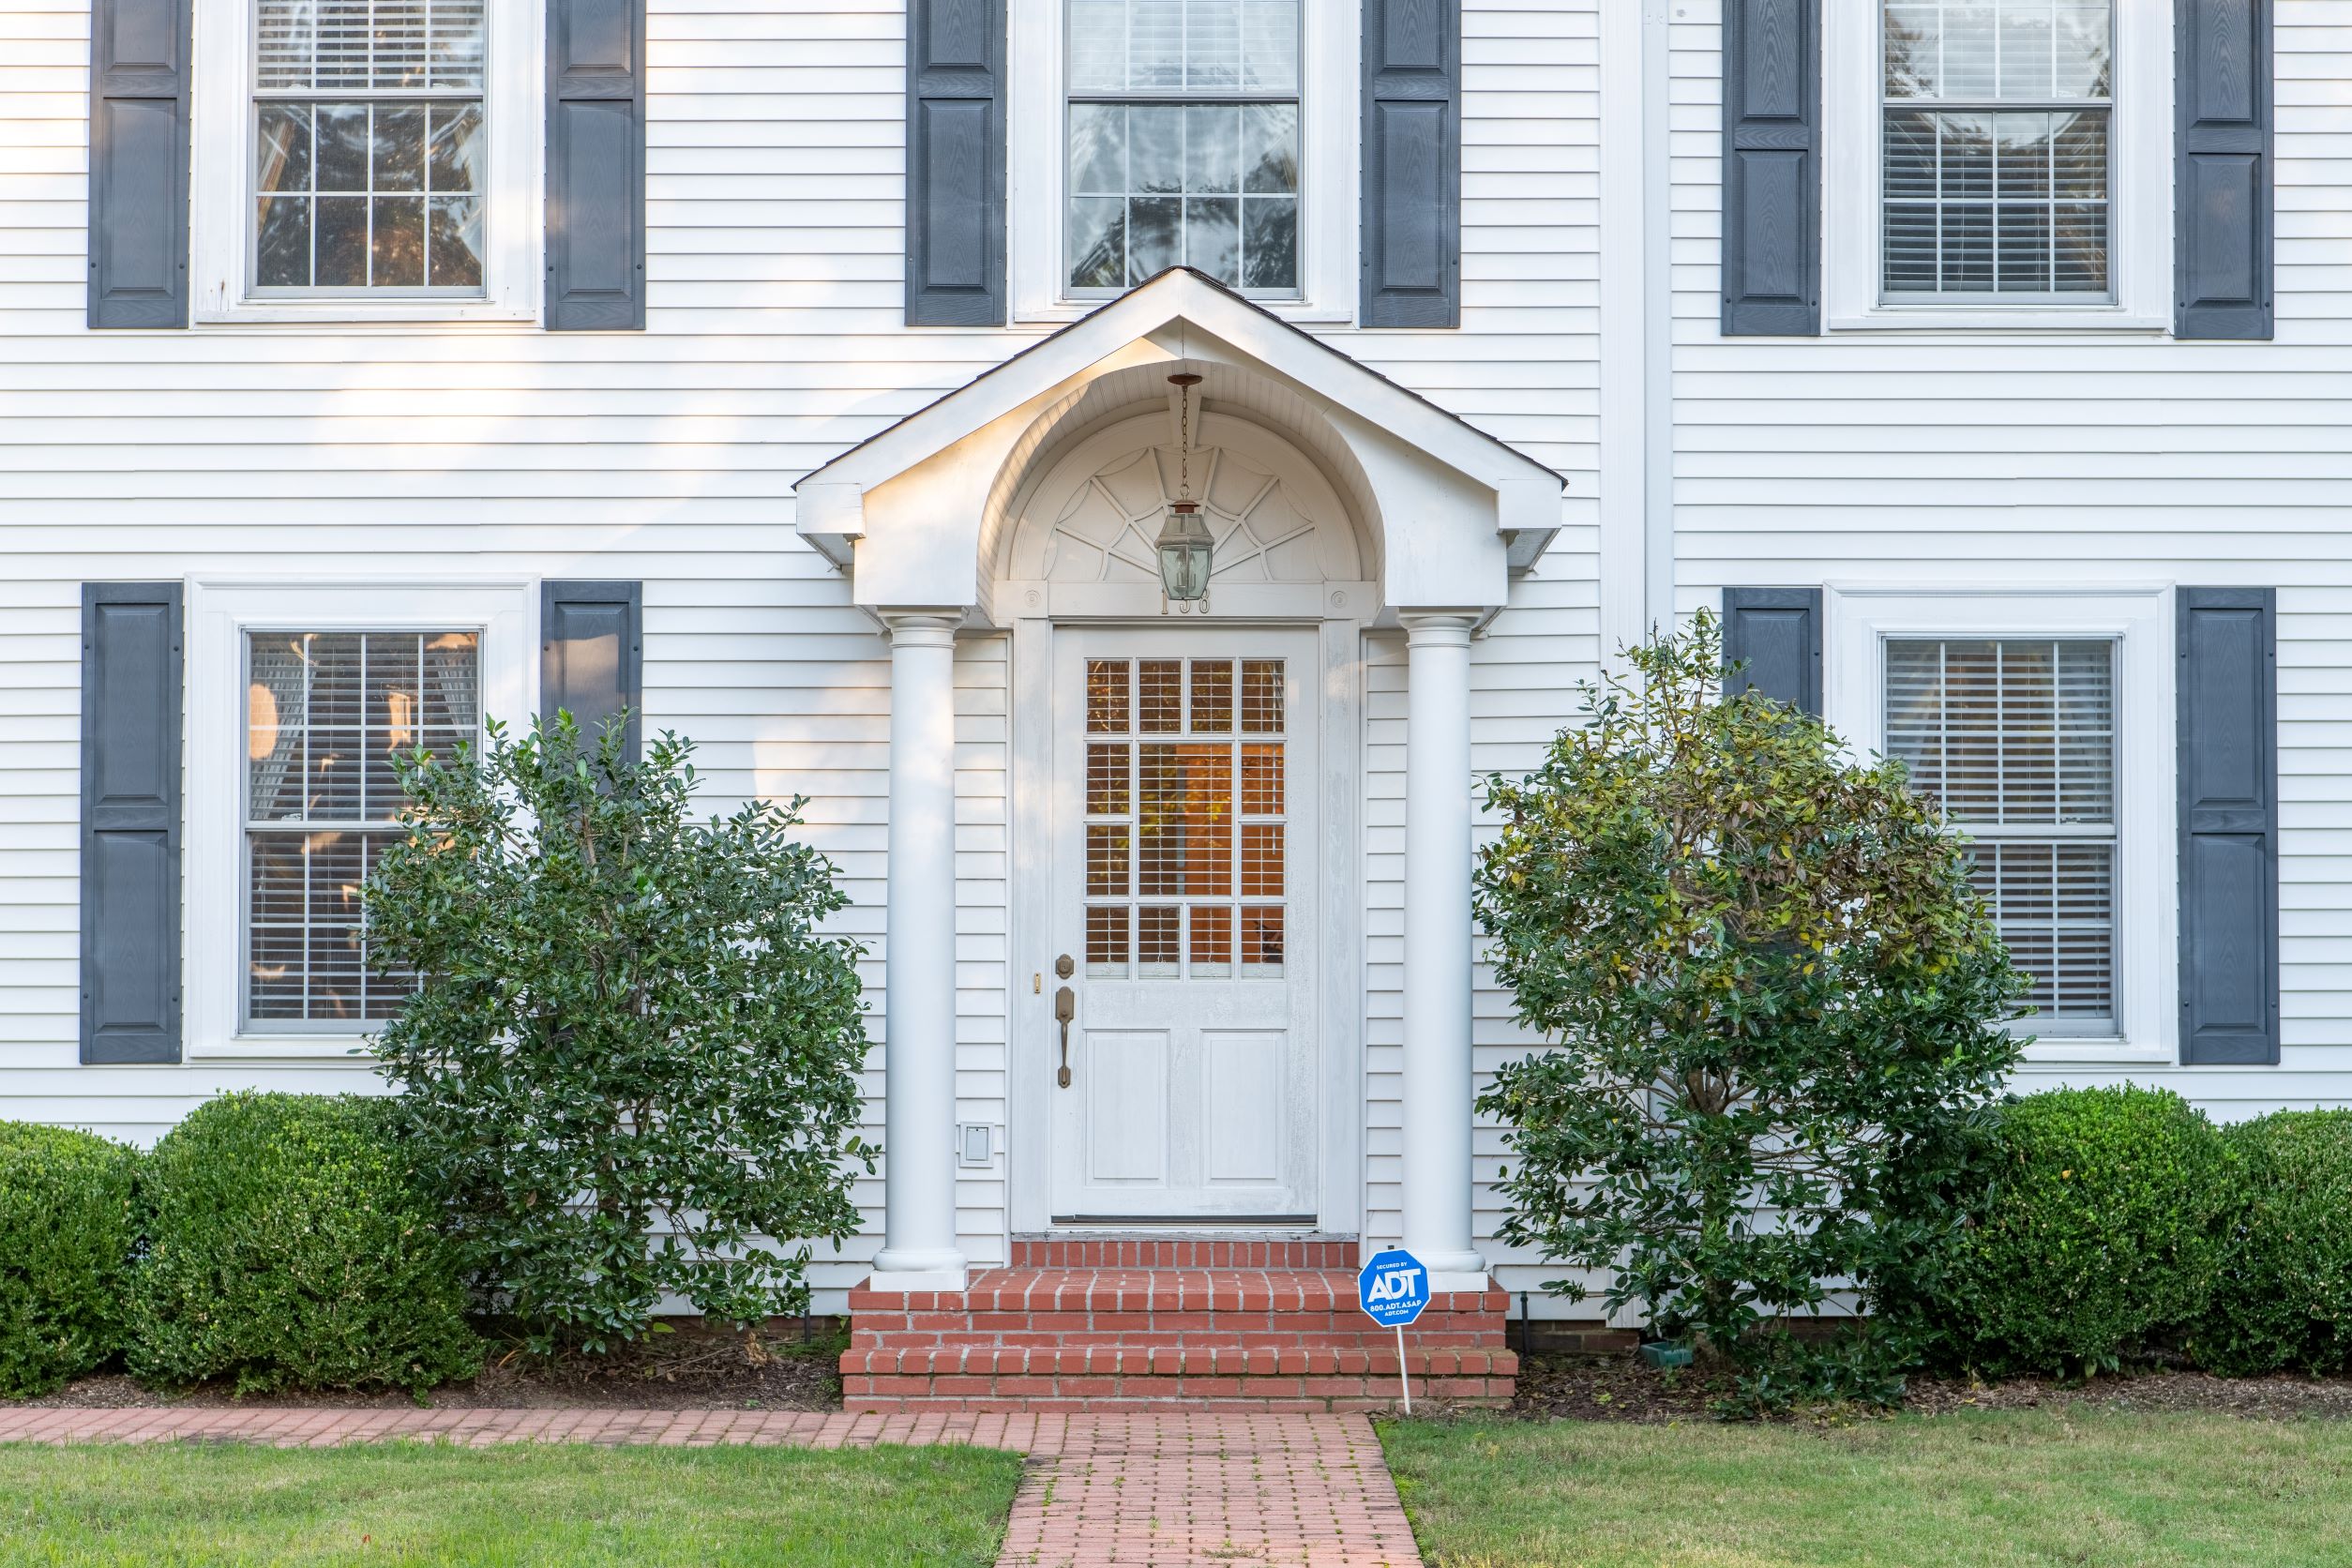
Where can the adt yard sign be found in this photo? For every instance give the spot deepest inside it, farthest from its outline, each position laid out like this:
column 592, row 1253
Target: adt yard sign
column 1392, row 1289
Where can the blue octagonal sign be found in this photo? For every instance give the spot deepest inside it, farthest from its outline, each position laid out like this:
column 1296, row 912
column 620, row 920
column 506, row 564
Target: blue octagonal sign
column 1393, row 1287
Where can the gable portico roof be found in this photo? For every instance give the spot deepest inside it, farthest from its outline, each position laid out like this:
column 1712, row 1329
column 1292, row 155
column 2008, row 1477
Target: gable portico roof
column 958, row 442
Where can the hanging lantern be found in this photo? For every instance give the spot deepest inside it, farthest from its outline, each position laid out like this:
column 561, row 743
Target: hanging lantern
column 1187, row 551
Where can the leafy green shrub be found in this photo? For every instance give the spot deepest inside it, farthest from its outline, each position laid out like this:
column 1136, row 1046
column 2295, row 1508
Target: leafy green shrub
column 2284, row 1294
column 1776, row 1004
column 633, row 1067
column 289, row 1243
column 2101, row 1231
column 66, row 1239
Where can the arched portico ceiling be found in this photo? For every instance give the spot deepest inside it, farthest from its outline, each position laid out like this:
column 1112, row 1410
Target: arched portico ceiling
column 916, row 510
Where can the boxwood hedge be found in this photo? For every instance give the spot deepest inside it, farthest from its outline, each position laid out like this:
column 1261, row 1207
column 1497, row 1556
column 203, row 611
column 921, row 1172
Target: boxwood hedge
column 288, row 1244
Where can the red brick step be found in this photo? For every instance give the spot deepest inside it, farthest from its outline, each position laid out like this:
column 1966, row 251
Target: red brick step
column 1106, row 1329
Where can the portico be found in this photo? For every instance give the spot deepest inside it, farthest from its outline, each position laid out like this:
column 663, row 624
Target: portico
column 1196, row 864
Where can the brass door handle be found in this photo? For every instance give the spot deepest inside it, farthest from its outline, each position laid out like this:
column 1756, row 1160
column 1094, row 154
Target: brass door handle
column 1065, row 1009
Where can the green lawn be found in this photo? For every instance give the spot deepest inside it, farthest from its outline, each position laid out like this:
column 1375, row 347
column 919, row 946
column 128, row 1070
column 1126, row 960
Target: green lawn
column 520, row 1504
column 2084, row 1488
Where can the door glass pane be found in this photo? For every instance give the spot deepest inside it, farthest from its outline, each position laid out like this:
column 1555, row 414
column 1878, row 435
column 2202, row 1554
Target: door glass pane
column 1198, row 817
column 1106, row 941
column 1211, row 940
column 1211, row 697
column 1107, row 696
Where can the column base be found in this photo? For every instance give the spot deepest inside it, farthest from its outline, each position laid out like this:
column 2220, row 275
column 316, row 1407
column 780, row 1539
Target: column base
column 928, row 1269
column 1453, row 1270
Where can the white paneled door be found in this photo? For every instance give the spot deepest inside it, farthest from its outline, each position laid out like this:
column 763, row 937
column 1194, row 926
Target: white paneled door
column 1185, row 862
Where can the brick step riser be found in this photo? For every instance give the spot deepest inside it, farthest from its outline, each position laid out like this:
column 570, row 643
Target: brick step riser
column 1070, row 1302
column 1170, row 1361
column 861, row 1392
column 1275, row 1336
column 1152, row 1252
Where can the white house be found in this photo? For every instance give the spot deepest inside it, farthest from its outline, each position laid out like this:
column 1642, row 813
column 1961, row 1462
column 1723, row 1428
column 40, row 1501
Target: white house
column 812, row 376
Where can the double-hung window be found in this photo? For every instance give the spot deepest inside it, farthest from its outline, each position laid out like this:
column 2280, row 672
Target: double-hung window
column 366, row 160
column 2016, row 739
column 300, row 698
column 1991, row 163
column 1996, row 127
column 370, row 146
column 1183, row 140
column 327, row 715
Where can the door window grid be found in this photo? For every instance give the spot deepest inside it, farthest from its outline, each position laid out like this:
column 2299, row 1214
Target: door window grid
column 2015, row 740
column 325, row 713
column 1995, row 156
column 1185, row 833
column 369, row 146
column 1183, row 140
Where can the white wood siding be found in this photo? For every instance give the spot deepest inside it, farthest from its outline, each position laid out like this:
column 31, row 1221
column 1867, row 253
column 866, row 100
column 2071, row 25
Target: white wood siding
column 2079, row 458
column 774, row 342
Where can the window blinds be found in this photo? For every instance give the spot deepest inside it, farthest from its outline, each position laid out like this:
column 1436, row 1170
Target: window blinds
column 2015, row 740
column 369, row 45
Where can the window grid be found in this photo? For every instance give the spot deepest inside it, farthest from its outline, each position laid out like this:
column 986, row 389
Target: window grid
column 1186, row 837
column 369, row 147
column 1995, row 160
column 2014, row 739
column 1181, row 130
column 325, row 713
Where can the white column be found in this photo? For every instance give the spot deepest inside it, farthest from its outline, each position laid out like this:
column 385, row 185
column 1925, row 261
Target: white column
column 1437, row 1089
column 919, row 1251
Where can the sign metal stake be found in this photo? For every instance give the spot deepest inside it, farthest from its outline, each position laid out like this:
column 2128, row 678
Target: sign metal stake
column 1392, row 1289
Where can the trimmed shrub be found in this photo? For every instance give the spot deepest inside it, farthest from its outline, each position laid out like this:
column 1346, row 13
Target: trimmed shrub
column 2285, row 1295
column 66, row 1238
column 289, row 1244
column 2101, row 1231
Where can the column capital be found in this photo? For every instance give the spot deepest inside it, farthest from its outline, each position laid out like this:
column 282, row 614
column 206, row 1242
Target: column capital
column 921, row 625
column 1439, row 627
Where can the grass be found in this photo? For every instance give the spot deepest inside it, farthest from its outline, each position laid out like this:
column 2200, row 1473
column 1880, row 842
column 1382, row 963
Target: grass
column 400, row 1503
column 2080, row 1487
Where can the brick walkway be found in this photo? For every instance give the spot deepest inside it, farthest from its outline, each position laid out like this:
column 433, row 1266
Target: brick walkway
column 1161, row 1488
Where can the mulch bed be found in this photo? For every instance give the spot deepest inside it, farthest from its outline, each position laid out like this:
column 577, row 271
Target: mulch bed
column 693, row 1369
column 1619, row 1388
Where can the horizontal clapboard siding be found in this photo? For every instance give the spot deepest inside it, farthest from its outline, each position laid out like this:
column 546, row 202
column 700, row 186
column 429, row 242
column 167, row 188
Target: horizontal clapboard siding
column 2057, row 460
column 775, row 340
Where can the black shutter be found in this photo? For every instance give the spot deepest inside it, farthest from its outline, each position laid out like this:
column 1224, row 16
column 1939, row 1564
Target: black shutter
column 1412, row 245
column 592, row 655
column 956, row 163
column 1771, row 168
column 130, row 821
column 2222, row 170
column 1776, row 633
column 2229, row 825
column 139, row 72
column 595, row 165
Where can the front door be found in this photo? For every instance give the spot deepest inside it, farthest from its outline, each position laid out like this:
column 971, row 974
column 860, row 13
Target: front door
column 1185, row 862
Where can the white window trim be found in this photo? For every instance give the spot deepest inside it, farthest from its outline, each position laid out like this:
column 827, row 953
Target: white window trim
column 219, row 612
column 2139, row 200
column 1857, row 622
column 221, row 215
column 1038, row 163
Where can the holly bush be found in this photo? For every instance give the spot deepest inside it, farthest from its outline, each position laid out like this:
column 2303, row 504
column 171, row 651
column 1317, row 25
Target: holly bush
column 1774, row 1012
column 632, row 1065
